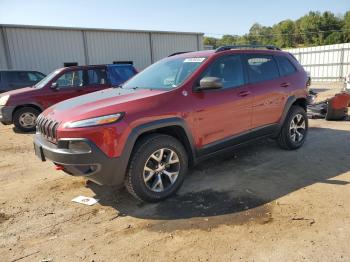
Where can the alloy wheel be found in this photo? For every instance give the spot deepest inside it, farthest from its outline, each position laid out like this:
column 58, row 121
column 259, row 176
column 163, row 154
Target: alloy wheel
column 297, row 128
column 27, row 120
column 161, row 170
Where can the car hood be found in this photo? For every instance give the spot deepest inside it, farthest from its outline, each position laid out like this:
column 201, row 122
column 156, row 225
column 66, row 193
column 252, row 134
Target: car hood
column 20, row 91
column 108, row 101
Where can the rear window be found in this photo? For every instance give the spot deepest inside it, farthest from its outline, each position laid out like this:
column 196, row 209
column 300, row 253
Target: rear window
column 261, row 68
column 286, row 67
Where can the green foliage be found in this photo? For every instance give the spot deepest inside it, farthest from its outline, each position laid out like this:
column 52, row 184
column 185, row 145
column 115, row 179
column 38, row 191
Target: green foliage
column 312, row 29
column 346, row 27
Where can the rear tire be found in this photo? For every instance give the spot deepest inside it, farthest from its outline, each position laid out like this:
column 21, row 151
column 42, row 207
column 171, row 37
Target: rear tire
column 294, row 130
column 157, row 168
column 25, row 119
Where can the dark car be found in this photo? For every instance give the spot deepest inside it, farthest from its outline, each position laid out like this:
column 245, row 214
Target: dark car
column 15, row 79
column 175, row 113
column 23, row 106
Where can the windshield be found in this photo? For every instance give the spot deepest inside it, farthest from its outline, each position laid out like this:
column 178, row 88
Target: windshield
column 165, row 74
column 47, row 79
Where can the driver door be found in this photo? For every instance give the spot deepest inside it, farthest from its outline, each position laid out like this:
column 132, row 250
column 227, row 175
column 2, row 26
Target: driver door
column 221, row 114
column 68, row 85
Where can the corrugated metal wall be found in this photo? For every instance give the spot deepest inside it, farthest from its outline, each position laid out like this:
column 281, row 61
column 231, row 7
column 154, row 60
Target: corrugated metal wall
column 106, row 47
column 3, row 62
column 165, row 44
column 325, row 63
column 45, row 49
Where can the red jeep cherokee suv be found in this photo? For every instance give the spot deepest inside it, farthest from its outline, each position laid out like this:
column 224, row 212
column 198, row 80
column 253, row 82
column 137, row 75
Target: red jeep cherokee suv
column 174, row 114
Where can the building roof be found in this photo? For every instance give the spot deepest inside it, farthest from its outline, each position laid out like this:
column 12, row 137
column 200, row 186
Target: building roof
column 95, row 29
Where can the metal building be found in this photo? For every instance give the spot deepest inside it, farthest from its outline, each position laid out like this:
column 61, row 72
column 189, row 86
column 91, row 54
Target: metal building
column 45, row 48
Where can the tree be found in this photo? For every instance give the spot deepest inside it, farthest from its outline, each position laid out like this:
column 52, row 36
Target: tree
column 312, row 29
column 285, row 32
column 346, row 27
column 309, row 28
column 334, row 38
column 330, row 24
column 260, row 35
column 228, row 40
column 212, row 41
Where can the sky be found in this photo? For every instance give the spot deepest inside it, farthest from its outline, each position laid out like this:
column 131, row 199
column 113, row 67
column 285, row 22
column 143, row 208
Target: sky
column 214, row 18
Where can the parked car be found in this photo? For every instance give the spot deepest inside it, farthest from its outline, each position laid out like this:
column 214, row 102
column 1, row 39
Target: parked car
column 22, row 107
column 177, row 112
column 15, row 79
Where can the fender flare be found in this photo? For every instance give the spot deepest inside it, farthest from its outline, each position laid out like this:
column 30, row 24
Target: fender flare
column 143, row 128
column 290, row 101
column 28, row 104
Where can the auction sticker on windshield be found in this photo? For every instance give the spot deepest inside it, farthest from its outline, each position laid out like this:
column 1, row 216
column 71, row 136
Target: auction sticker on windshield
column 194, row 60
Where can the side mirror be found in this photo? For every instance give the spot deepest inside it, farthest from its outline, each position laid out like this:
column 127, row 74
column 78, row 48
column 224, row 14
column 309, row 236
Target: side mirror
column 55, row 86
column 209, row 82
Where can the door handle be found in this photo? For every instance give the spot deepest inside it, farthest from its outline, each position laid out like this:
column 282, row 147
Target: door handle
column 244, row 93
column 285, row 84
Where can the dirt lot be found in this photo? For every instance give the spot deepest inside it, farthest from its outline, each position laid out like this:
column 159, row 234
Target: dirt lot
column 260, row 204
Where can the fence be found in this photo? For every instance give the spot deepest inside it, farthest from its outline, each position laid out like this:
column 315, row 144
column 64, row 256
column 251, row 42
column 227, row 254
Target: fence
column 329, row 63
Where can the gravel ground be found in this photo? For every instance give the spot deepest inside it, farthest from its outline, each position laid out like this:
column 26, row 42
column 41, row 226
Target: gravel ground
column 258, row 204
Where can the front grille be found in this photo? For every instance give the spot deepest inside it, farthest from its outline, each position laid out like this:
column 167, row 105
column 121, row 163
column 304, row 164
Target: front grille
column 47, row 128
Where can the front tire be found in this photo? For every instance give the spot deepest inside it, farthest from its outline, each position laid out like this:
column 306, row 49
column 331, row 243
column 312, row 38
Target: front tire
column 24, row 119
column 157, row 168
column 294, row 130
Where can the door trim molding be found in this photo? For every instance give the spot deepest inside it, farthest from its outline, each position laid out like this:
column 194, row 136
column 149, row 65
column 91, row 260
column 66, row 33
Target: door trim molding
column 235, row 141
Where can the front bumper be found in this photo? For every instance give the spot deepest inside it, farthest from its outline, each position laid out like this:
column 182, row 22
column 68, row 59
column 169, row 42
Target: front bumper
column 88, row 161
column 6, row 114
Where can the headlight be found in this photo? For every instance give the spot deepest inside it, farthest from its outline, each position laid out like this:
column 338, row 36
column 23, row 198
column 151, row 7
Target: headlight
column 101, row 120
column 4, row 99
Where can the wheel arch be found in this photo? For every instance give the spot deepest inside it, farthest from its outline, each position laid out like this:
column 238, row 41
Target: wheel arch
column 302, row 102
column 291, row 101
column 175, row 127
column 26, row 105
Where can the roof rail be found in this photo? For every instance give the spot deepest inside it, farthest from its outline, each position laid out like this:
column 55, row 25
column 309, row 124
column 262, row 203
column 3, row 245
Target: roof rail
column 229, row 47
column 179, row 53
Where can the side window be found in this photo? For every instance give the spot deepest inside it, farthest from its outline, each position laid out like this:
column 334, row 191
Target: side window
column 70, row 79
column 229, row 69
column 17, row 77
column 261, row 68
column 96, row 76
column 286, row 67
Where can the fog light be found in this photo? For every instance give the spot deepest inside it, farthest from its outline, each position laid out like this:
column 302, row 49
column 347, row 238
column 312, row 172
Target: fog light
column 79, row 146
